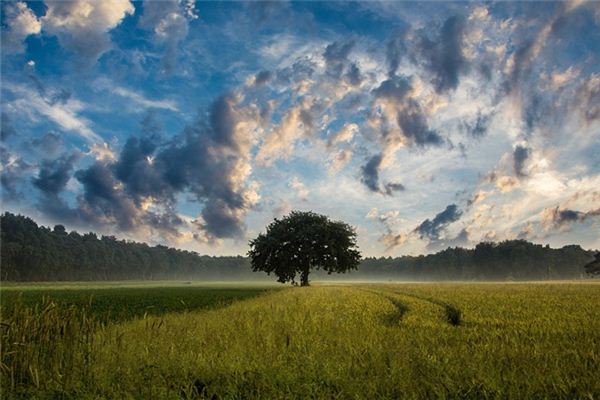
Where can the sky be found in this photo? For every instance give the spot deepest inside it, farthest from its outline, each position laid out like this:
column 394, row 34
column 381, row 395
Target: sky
column 195, row 124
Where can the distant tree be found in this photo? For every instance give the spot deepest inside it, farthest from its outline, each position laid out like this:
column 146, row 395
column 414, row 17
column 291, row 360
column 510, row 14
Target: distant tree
column 593, row 267
column 303, row 241
column 60, row 230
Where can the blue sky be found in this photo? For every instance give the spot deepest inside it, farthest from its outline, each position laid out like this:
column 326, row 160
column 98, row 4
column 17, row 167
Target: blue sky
column 194, row 124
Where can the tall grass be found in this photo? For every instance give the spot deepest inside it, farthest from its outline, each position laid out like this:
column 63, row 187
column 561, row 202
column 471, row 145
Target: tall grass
column 46, row 347
column 511, row 342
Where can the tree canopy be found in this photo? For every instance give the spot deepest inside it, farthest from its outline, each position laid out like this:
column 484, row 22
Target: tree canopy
column 593, row 267
column 303, row 241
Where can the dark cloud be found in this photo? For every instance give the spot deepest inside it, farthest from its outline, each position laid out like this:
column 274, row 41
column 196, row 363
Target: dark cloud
column 139, row 189
column 391, row 187
column 444, row 57
column 263, row 77
column 370, row 173
column 54, row 174
column 336, row 56
column 414, row 126
column 395, row 50
column 562, row 218
column 353, row 75
column 520, row 156
column 135, row 169
column 480, row 126
column 103, row 201
column 431, row 229
column 394, row 89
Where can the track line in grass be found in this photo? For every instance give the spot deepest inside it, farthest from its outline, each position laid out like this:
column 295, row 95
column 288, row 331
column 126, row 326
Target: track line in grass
column 401, row 308
column 452, row 314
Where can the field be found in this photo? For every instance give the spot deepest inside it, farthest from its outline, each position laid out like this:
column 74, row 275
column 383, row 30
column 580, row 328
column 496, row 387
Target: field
column 414, row 341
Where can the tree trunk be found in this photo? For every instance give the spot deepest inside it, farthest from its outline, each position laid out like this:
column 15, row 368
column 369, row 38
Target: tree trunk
column 304, row 277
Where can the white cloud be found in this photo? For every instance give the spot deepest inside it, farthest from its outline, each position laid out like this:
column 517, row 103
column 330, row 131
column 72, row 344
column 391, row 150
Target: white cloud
column 83, row 25
column 137, row 98
column 66, row 115
column 21, row 22
column 301, row 191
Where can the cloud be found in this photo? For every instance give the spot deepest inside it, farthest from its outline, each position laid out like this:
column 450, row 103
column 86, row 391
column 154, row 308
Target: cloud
column 520, row 155
column 415, row 128
column 20, row 23
column 395, row 50
column 301, row 190
column 64, row 115
column 563, row 218
column 50, row 145
column 444, row 57
column 431, row 229
column 169, row 21
column 395, row 89
column 344, row 135
column 140, row 102
column 339, row 160
column 370, row 173
column 336, row 56
column 391, row 187
column 522, row 60
column 103, row 201
column 12, row 170
column 83, row 25
column 297, row 122
column 588, row 99
column 480, row 126
column 262, row 78
column 54, row 174
column 209, row 161
column 6, row 127
column 396, row 94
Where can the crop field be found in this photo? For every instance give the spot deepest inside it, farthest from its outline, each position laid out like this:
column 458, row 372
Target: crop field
column 359, row 341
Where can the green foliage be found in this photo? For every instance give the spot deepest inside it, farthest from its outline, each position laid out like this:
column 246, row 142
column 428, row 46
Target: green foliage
column 36, row 253
column 32, row 253
column 302, row 241
column 508, row 260
column 593, row 267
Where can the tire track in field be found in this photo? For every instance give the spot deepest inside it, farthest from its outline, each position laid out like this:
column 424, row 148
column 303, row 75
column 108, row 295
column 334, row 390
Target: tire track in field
column 401, row 308
column 452, row 314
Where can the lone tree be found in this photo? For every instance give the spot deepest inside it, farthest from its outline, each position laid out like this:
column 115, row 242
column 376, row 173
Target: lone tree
column 303, row 241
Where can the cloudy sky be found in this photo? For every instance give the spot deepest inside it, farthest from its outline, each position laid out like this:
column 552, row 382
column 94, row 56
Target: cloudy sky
column 424, row 125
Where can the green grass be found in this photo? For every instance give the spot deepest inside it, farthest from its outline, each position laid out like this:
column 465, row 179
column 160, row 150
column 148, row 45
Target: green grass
column 414, row 341
column 126, row 302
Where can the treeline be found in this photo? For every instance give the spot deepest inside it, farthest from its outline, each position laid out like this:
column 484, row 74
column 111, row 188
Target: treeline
column 29, row 252
column 508, row 260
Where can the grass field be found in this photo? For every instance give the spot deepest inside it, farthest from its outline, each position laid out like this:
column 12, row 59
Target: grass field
column 414, row 341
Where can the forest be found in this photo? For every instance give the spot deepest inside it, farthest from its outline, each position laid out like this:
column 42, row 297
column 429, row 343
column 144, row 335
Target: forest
column 37, row 253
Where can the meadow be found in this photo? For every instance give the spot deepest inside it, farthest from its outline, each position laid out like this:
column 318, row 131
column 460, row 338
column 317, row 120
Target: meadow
column 413, row 341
